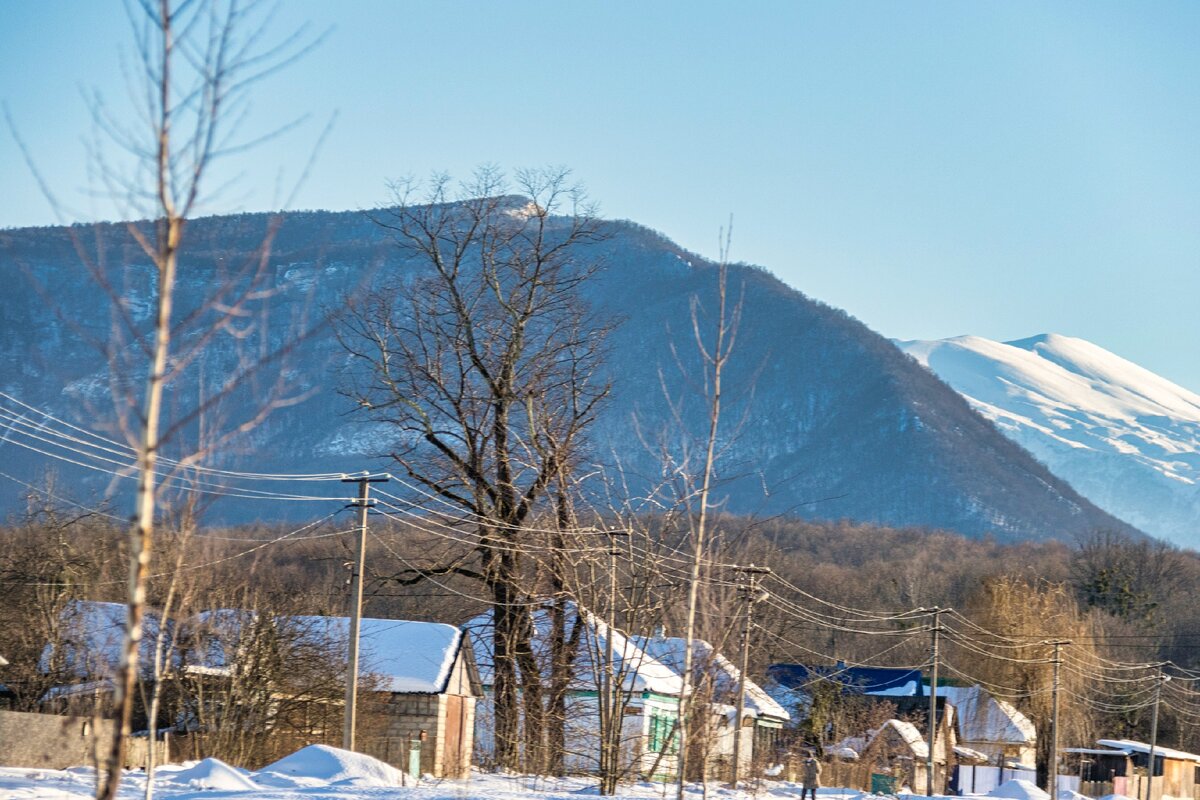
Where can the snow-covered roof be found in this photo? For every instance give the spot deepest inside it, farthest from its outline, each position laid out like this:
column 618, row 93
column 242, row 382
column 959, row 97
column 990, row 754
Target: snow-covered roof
column 908, row 732
column 967, row 754
column 671, row 651
column 984, row 718
column 84, row 689
column 402, row 655
column 1130, row 746
column 91, row 635
column 906, row 689
column 637, row 670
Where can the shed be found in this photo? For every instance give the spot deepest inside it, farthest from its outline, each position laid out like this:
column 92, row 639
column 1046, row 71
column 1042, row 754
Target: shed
column 1121, row 765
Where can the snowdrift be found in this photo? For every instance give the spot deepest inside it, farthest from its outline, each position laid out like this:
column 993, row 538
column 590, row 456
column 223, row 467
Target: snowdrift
column 211, row 773
column 1019, row 790
column 332, row 765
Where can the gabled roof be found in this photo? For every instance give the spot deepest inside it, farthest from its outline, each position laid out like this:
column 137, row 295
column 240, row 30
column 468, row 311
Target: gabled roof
column 405, row 657
column 908, row 732
column 91, row 635
column 671, row 651
column 637, row 670
column 984, row 718
column 864, row 680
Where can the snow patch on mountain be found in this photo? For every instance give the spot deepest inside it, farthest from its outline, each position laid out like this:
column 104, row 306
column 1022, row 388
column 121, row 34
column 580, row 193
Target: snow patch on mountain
column 1124, row 437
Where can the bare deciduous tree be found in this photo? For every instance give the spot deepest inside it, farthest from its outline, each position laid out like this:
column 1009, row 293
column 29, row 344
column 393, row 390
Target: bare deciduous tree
column 483, row 363
column 196, row 61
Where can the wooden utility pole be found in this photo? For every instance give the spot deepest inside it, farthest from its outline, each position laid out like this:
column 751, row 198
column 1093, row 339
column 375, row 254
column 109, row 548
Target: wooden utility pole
column 1160, row 679
column 356, row 594
column 750, row 596
column 1052, row 782
column 935, row 629
column 610, row 718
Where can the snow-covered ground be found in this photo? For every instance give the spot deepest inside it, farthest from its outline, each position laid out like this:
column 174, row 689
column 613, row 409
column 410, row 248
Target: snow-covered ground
column 1123, row 437
column 319, row 772
column 326, row 773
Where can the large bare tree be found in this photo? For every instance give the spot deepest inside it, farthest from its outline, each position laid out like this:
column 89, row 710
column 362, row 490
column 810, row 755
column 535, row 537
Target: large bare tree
column 483, row 360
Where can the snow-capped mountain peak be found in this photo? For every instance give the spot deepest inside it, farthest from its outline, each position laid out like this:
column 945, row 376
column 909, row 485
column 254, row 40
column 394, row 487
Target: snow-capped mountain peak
column 1124, row 437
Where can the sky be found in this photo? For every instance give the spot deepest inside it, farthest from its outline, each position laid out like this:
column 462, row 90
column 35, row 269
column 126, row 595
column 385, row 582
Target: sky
column 996, row 168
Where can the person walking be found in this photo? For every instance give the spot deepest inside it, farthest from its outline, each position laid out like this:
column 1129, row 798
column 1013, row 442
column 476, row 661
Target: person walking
column 810, row 774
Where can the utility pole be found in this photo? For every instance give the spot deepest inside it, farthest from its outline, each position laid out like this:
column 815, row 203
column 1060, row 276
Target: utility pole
column 936, row 630
column 1160, row 679
column 1052, row 782
column 356, row 594
column 610, row 721
column 750, row 596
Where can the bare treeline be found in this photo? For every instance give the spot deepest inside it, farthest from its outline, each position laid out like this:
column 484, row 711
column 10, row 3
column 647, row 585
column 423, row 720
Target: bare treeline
column 1123, row 600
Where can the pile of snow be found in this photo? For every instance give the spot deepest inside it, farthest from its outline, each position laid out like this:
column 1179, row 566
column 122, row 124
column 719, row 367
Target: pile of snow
column 332, row 765
column 1019, row 790
column 1115, row 797
column 1071, row 794
column 211, row 773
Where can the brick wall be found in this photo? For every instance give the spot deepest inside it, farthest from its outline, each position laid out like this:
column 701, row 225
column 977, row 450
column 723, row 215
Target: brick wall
column 407, row 716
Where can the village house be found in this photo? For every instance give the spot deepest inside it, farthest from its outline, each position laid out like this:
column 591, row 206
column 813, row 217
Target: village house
column 418, row 678
column 996, row 742
column 85, row 654
column 982, row 742
column 716, row 679
column 648, row 692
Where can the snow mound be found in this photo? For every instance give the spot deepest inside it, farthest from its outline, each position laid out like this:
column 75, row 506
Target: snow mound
column 1019, row 790
column 333, row 765
column 212, row 773
column 1071, row 794
column 1115, row 797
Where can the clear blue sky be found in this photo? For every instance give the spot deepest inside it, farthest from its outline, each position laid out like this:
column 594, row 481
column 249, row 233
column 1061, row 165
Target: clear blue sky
column 997, row 168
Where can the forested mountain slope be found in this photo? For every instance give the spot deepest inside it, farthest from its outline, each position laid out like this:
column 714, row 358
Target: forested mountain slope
column 825, row 418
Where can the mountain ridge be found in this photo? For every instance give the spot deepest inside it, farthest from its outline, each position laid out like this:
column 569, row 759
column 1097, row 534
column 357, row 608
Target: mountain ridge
column 826, row 418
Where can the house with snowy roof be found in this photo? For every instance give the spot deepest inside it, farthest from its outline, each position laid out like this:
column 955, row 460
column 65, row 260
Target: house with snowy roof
column 646, row 691
column 992, row 727
column 717, row 679
column 898, row 750
column 419, row 679
column 86, row 653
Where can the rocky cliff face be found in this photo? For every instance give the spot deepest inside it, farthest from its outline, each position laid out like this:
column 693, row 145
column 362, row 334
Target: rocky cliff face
column 825, row 419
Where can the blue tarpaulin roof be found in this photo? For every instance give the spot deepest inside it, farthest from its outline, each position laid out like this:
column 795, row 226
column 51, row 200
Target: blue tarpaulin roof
column 867, row 680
